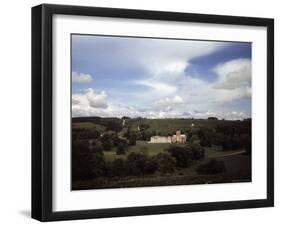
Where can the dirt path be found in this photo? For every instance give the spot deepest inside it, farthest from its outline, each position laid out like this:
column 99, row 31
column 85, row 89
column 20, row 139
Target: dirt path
column 231, row 154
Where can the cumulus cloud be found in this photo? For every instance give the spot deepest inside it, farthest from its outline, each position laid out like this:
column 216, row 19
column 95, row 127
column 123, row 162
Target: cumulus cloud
column 165, row 67
column 96, row 100
column 89, row 102
column 80, row 77
column 75, row 101
column 234, row 80
column 234, row 74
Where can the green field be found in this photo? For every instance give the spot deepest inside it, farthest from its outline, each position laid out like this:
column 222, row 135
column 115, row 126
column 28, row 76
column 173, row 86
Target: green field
column 150, row 149
column 168, row 126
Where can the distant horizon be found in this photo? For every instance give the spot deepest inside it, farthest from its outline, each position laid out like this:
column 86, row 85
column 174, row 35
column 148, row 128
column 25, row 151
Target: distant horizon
column 160, row 78
column 163, row 118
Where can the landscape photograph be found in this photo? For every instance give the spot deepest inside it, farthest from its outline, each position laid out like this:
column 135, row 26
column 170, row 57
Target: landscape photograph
column 159, row 112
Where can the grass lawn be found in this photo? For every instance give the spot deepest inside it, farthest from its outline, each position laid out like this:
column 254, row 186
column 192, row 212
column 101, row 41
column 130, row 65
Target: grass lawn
column 151, row 149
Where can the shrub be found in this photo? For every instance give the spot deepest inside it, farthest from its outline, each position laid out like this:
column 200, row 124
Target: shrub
column 212, row 167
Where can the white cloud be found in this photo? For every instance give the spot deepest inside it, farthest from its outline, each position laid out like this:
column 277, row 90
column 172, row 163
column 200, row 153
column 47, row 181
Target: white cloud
column 234, row 80
column 233, row 74
column 96, row 100
column 88, row 102
column 167, row 104
column 171, row 56
column 226, row 95
column 115, row 110
column 93, row 103
column 75, row 101
column 156, row 89
column 165, row 66
column 80, row 77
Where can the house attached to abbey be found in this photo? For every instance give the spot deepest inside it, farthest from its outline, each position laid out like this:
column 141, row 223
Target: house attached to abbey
column 177, row 138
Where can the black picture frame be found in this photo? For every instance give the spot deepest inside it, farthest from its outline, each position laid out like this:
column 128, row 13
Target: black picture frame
column 42, row 106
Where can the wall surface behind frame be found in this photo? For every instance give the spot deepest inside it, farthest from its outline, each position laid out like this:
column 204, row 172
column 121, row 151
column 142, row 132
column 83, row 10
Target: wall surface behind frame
column 15, row 128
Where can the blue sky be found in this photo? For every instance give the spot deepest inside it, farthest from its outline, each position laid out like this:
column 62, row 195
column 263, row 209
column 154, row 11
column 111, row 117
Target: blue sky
column 160, row 78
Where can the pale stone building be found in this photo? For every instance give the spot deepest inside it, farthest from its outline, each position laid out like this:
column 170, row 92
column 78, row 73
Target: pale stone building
column 177, row 138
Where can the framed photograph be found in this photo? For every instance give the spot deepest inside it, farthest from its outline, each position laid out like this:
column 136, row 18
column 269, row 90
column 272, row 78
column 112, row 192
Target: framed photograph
column 145, row 112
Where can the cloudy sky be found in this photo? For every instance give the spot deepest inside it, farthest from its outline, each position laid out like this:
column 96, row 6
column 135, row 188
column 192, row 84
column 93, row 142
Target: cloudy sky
column 160, row 78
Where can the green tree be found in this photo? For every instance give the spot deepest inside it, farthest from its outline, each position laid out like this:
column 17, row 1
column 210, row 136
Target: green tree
column 197, row 151
column 182, row 155
column 139, row 160
column 85, row 163
column 118, row 168
column 194, row 139
column 166, row 163
column 213, row 166
column 132, row 138
column 121, row 149
column 151, row 166
column 97, row 147
column 107, row 145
